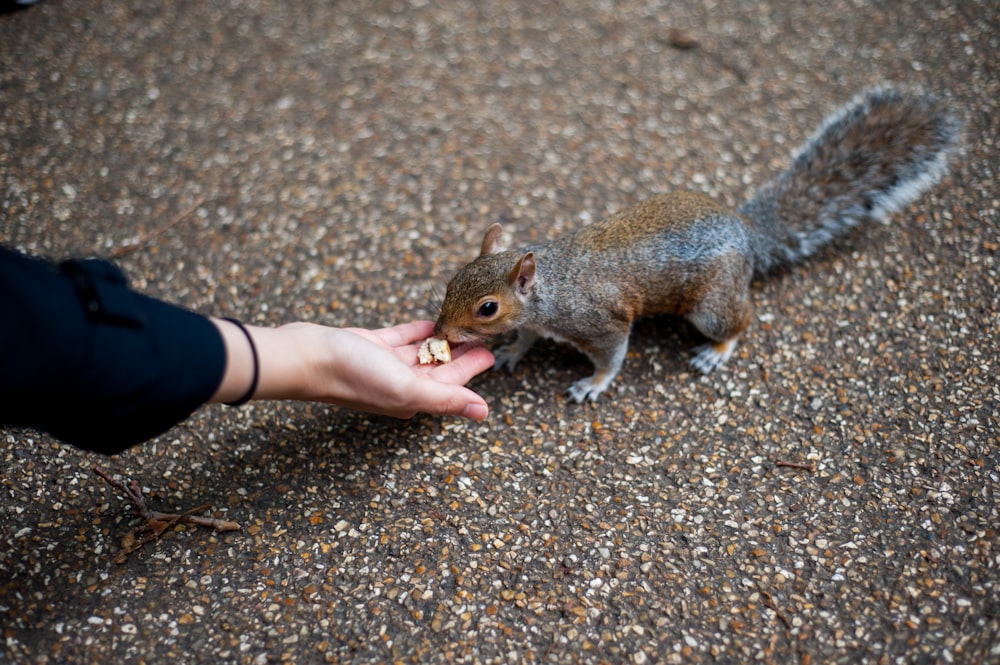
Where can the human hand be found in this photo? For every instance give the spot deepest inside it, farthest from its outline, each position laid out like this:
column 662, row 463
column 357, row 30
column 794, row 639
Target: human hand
column 370, row 370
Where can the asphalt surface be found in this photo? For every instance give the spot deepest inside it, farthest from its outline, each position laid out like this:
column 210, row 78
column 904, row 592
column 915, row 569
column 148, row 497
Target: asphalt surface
column 830, row 496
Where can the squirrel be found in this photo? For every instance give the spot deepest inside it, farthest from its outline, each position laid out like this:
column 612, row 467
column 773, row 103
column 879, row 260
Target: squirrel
column 684, row 254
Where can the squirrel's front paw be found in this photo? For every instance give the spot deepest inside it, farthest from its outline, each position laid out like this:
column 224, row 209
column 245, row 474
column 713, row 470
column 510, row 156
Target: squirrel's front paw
column 507, row 356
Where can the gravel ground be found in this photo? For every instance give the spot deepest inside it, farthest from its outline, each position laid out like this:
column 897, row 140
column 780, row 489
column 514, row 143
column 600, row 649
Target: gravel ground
column 830, row 496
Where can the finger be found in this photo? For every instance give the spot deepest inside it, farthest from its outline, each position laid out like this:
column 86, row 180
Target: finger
column 406, row 333
column 473, row 360
column 448, row 400
column 467, row 362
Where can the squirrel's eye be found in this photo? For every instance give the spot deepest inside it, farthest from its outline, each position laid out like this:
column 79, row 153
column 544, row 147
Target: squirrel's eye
column 488, row 309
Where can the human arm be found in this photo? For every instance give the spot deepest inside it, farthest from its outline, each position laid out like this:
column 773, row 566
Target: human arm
column 96, row 364
column 369, row 370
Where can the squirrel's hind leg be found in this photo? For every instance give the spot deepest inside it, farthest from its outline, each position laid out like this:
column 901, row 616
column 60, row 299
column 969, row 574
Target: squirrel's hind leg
column 722, row 323
column 709, row 357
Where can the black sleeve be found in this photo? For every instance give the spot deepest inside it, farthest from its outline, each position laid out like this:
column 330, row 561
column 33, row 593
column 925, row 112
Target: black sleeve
column 94, row 363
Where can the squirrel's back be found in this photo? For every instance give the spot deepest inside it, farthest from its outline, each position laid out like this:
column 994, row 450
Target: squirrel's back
column 866, row 161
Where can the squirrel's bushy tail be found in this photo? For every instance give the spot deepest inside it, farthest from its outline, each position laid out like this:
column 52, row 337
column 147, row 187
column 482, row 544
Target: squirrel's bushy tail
column 866, row 161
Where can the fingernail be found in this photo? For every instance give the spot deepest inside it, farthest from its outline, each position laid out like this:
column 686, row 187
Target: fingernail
column 476, row 411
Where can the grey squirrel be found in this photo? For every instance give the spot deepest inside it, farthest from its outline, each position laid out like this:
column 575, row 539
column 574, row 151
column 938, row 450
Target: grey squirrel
column 684, row 254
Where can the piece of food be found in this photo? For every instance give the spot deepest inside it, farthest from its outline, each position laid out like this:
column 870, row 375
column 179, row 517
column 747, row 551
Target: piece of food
column 434, row 350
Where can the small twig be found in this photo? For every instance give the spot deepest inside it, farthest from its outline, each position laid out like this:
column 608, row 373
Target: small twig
column 134, row 493
column 146, row 237
column 154, row 522
column 190, row 518
column 134, row 497
column 791, row 464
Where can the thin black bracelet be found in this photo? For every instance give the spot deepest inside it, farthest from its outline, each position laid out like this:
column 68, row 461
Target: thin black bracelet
column 256, row 365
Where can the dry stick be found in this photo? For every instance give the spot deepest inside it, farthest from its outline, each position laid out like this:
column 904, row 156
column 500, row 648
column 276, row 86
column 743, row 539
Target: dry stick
column 134, row 494
column 146, row 237
column 806, row 466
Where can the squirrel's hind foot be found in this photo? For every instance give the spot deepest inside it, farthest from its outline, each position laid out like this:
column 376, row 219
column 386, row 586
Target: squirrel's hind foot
column 587, row 389
column 709, row 357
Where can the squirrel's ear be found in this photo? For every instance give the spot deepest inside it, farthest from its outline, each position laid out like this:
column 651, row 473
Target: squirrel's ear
column 522, row 276
column 492, row 241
